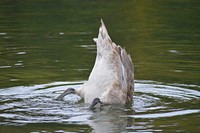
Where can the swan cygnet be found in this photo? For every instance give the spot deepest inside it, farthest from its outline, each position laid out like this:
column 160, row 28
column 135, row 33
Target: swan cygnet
column 111, row 80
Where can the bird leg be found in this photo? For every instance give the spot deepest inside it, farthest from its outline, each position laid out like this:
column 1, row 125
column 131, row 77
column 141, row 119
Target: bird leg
column 95, row 102
column 68, row 91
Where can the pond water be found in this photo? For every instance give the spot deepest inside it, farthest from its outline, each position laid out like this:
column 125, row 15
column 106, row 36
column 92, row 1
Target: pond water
column 46, row 47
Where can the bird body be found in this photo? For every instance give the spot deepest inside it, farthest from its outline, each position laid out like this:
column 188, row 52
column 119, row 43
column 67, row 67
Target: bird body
column 111, row 79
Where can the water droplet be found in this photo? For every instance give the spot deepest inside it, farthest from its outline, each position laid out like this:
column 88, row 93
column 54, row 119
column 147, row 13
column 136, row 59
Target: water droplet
column 173, row 51
column 2, row 33
column 13, row 80
column 5, row 66
column 18, row 64
column 178, row 71
column 61, row 33
column 20, row 53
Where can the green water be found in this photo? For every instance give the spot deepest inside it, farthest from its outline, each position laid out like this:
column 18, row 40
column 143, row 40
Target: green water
column 50, row 41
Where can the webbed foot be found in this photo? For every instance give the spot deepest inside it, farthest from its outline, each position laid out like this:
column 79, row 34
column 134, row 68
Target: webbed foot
column 95, row 102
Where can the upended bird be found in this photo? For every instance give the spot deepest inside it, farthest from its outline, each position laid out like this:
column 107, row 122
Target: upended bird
column 111, row 80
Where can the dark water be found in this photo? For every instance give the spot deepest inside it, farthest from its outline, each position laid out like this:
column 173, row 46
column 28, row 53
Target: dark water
column 46, row 47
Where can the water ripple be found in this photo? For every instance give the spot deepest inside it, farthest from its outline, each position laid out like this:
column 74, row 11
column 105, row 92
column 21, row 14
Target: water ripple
column 167, row 114
column 37, row 104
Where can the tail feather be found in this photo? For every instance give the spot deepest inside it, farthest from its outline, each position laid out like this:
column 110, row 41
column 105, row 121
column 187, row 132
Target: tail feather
column 125, row 59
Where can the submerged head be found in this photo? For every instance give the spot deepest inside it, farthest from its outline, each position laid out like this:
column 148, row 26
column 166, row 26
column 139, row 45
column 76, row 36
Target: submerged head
column 70, row 90
column 66, row 92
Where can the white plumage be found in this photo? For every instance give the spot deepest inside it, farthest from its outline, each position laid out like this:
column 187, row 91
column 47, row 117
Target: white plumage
column 111, row 79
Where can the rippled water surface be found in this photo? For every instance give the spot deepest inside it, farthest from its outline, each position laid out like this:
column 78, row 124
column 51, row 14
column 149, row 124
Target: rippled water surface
column 33, row 105
column 46, row 47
